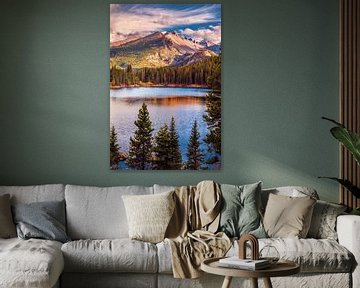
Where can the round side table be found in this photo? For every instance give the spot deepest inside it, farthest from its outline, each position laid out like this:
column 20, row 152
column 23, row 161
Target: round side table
column 281, row 268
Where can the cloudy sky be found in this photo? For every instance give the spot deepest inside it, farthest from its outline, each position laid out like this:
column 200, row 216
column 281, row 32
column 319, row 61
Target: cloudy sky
column 198, row 21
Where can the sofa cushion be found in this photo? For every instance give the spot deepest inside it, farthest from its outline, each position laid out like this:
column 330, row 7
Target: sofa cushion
column 30, row 263
column 43, row 220
column 313, row 255
column 323, row 222
column 149, row 215
column 98, row 213
column 7, row 226
column 287, row 216
column 117, row 255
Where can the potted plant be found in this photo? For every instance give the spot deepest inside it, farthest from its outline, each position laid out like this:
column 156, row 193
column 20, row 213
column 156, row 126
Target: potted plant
column 351, row 141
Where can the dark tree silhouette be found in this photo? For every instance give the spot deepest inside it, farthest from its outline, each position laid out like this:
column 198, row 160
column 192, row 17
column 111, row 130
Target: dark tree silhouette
column 174, row 147
column 162, row 159
column 194, row 153
column 141, row 142
column 114, row 149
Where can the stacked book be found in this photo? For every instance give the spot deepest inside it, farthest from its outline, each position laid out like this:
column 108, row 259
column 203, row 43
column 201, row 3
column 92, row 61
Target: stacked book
column 248, row 264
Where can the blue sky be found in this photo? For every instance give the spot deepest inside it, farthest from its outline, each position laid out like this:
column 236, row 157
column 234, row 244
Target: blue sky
column 198, row 21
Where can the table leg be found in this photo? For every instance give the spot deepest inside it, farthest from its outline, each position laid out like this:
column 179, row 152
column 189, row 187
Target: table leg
column 227, row 282
column 267, row 283
column 254, row 282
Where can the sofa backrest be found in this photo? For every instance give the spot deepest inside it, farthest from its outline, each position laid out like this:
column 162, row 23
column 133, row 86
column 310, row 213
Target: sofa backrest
column 98, row 213
column 36, row 193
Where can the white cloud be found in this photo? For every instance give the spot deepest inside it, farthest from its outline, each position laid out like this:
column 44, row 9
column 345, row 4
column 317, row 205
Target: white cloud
column 212, row 34
column 143, row 19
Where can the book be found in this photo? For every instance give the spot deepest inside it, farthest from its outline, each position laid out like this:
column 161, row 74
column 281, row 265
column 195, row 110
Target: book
column 236, row 262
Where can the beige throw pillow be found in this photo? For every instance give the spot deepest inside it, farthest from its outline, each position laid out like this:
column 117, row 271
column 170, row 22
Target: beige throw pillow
column 7, row 226
column 149, row 215
column 288, row 217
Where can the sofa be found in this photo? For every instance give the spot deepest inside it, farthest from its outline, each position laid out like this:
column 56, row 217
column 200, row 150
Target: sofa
column 100, row 253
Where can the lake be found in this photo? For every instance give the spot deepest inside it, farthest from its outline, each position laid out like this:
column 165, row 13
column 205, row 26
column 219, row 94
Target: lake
column 184, row 104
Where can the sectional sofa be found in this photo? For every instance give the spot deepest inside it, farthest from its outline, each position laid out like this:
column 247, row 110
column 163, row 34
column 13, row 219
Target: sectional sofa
column 102, row 255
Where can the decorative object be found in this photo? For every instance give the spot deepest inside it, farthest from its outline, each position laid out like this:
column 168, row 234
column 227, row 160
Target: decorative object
column 254, row 246
column 287, row 216
column 165, row 86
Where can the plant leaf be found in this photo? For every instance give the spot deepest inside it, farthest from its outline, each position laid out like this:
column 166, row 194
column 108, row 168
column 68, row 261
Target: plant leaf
column 349, row 139
column 347, row 184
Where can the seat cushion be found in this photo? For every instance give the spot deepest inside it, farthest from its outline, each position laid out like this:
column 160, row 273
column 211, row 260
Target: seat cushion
column 30, row 263
column 313, row 255
column 98, row 213
column 117, row 255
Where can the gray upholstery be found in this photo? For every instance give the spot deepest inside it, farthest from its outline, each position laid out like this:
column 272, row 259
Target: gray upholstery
column 118, row 255
column 37, row 193
column 98, row 213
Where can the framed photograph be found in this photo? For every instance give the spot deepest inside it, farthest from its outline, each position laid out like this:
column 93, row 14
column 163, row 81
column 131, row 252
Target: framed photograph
column 165, row 86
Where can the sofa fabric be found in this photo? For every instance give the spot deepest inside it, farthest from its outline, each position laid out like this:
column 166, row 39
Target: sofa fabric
column 117, row 255
column 32, row 263
column 36, row 193
column 108, row 280
column 98, row 213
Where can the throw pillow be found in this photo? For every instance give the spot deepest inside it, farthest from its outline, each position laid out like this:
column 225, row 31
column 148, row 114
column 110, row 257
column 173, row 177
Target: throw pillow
column 240, row 210
column 288, row 217
column 7, row 227
column 43, row 220
column 149, row 215
column 323, row 222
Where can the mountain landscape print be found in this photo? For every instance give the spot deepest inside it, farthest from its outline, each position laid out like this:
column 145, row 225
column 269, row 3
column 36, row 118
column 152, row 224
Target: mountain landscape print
column 165, row 86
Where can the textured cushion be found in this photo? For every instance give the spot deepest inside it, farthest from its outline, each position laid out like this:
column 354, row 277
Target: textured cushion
column 323, row 222
column 118, row 255
column 149, row 215
column 98, row 213
column 287, row 216
column 36, row 193
column 44, row 220
column 240, row 210
column 30, row 263
column 7, row 227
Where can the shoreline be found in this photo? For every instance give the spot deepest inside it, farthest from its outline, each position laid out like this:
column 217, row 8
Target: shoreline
column 159, row 86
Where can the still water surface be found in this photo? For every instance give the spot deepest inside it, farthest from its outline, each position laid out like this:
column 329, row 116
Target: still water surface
column 184, row 104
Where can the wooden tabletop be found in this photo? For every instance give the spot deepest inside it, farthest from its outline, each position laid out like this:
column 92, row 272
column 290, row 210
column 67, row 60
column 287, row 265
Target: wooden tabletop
column 281, row 268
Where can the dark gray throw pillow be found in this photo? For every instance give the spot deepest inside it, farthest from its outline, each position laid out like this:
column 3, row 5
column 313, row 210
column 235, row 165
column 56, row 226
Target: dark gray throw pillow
column 44, row 220
column 240, row 213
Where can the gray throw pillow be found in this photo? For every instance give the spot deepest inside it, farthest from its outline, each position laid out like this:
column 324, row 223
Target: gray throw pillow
column 323, row 222
column 7, row 227
column 44, row 220
column 240, row 210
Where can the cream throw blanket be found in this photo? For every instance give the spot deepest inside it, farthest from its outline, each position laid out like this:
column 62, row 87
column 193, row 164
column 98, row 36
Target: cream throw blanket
column 191, row 231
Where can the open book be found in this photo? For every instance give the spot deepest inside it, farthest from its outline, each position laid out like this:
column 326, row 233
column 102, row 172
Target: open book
column 236, row 262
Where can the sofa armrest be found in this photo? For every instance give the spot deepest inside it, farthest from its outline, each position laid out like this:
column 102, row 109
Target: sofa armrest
column 348, row 230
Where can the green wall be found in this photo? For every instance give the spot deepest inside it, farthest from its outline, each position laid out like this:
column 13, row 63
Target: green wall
column 280, row 75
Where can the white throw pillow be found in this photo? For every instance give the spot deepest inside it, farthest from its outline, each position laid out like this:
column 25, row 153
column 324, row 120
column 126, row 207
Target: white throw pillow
column 149, row 215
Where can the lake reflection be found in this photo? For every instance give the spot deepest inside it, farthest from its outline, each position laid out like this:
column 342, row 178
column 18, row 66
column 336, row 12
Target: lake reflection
column 163, row 103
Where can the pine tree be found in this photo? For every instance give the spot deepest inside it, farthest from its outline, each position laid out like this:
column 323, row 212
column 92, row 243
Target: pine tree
column 162, row 148
column 213, row 121
column 114, row 149
column 141, row 142
column 194, row 153
column 174, row 151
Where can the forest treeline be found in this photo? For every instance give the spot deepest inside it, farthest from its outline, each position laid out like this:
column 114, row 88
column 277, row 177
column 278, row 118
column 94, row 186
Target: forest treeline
column 197, row 73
